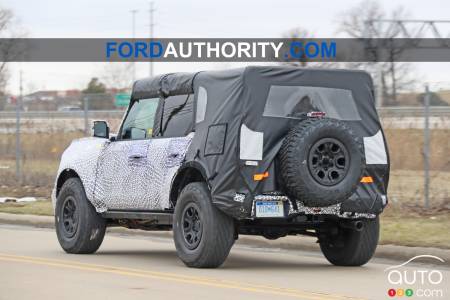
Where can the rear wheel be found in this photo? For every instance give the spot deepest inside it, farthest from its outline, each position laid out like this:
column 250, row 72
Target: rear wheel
column 203, row 234
column 80, row 230
column 351, row 247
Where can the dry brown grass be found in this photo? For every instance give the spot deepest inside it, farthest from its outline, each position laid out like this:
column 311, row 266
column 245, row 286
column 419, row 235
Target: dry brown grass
column 404, row 222
column 42, row 152
column 407, row 186
column 41, row 208
column 406, row 146
column 47, row 146
column 40, row 157
column 416, row 230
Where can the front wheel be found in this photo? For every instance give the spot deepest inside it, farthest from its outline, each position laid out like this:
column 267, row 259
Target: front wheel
column 351, row 247
column 80, row 230
column 203, row 235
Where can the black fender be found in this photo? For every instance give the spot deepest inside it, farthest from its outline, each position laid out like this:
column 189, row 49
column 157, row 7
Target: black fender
column 190, row 171
column 63, row 176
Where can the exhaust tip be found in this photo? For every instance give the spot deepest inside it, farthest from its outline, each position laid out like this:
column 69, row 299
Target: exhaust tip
column 359, row 225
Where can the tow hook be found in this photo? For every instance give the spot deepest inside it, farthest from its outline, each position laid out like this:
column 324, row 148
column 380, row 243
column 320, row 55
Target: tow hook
column 355, row 225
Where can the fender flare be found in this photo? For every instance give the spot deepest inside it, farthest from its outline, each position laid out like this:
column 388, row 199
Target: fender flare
column 191, row 171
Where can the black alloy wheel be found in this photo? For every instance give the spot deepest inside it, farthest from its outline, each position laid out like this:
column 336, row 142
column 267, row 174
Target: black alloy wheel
column 70, row 218
column 203, row 234
column 328, row 161
column 192, row 226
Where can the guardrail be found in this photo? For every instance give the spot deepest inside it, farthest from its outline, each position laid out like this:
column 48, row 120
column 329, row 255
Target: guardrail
column 93, row 114
column 413, row 111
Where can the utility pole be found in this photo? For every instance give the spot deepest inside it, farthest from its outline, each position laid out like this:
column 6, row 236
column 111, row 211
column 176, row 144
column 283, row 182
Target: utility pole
column 151, row 25
column 368, row 34
column 133, row 34
column 426, row 146
column 86, row 115
column 18, row 142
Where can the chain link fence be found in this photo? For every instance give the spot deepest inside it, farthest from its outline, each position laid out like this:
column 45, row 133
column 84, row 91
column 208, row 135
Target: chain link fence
column 414, row 149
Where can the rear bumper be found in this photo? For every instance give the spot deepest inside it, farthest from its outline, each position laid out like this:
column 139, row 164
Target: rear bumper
column 244, row 207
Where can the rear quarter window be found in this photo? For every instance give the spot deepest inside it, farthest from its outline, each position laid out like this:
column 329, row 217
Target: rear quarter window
column 178, row 115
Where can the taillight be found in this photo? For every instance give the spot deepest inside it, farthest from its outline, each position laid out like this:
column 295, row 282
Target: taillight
column 316, row 114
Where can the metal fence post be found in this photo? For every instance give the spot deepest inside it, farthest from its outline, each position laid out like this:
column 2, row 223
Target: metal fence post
column 86, row 117
column 18, row 141
column 426, row 146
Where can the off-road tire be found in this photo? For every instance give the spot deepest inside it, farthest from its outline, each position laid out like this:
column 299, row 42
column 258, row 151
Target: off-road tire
column 351, row 247
column 89, row 231
column 294, row 155
column 217, row 233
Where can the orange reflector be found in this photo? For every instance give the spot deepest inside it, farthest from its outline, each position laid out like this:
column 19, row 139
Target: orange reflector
column 367, row 179
column 261, row 176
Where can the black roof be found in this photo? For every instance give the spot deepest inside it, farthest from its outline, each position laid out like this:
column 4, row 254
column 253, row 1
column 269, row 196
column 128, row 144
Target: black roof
column 183, row 83
column 166, row 84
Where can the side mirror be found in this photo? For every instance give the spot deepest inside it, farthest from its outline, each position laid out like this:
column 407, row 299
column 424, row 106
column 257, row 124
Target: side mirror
column 101, row 129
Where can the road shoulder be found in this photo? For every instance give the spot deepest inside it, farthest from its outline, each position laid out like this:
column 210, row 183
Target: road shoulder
column 393, row 252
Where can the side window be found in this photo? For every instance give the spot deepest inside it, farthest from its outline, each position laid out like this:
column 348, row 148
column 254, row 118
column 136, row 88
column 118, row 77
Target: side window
column 139, row 121
column 178, row 115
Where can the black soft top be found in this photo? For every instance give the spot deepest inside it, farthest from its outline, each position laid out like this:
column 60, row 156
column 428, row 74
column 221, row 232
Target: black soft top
column 239, row 97
column 164, row 85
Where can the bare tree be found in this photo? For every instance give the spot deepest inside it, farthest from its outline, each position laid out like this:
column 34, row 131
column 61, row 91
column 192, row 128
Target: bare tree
column 303, row 35
column 118, row 75
column 6, row 19
column 9, row 49
column 360, row 22
column 300, row 34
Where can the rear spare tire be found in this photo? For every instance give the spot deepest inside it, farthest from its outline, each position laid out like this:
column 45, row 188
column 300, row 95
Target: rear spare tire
column 321, row 162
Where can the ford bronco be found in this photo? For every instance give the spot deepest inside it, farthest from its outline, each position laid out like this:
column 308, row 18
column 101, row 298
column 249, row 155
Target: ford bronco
column 270, row 151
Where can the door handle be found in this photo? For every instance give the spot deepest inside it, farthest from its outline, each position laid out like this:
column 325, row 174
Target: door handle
column 136, row 156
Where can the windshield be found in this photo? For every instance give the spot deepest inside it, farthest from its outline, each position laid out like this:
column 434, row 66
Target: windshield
column 139, row 120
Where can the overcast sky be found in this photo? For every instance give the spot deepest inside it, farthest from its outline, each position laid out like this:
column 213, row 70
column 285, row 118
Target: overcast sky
column 180, row 18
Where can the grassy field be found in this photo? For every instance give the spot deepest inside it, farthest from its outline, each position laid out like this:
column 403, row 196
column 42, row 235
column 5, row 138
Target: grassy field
column 42, row 152
column 416, row 230
column 404, row 222
column 41, row 208
column 397, row 229
column 405, row 186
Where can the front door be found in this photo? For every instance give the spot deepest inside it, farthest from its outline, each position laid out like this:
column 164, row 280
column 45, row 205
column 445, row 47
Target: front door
column 135, row 171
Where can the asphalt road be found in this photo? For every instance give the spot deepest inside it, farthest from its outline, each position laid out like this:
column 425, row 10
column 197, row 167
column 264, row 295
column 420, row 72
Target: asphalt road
column 33, row 266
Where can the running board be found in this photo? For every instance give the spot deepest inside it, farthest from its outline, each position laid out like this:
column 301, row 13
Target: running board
column 161, row 218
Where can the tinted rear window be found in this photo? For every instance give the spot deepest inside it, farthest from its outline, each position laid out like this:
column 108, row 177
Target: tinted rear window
column 178, row 115
column 293, row 101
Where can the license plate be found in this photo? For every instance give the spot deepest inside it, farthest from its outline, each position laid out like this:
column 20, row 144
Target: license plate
column 269, row 209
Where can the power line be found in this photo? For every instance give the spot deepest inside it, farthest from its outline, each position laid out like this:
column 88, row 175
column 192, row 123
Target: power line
column 18, row 141
column 398, row 29
column 133, row 35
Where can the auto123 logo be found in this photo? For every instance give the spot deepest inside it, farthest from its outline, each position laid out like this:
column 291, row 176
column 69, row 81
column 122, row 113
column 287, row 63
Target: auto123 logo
column 420, row 282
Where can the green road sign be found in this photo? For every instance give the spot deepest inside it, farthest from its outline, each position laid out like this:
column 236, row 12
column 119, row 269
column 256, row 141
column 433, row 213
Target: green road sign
column 122, row 99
